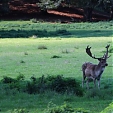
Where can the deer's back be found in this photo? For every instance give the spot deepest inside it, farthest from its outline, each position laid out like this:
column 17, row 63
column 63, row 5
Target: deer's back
column 88, row 68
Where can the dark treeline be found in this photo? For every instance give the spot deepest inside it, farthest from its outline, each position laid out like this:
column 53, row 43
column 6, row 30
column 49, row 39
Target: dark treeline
column 8, row 7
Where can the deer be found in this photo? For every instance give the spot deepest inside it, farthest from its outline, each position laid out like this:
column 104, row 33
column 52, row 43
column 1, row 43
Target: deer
column 94, row 71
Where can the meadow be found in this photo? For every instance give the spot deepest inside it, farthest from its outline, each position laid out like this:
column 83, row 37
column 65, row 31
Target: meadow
column 35, row 49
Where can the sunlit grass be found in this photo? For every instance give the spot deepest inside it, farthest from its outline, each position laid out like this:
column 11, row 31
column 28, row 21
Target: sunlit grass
column 38, row 61
column 23, row 56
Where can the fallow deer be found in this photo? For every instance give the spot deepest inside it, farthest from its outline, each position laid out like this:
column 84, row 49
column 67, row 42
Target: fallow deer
column 93, row 71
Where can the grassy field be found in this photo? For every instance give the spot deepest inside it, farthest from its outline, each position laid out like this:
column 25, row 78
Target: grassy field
column 32, row 54
column 24, row 56
column 27, row 29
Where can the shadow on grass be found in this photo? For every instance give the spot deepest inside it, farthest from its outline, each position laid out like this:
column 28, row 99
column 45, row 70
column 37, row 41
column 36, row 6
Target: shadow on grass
column 56, row 33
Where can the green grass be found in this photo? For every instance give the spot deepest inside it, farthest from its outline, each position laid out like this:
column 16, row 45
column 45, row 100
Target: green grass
column 38, row 62
column 108, row 109
column 22, row 29
column 23, row 56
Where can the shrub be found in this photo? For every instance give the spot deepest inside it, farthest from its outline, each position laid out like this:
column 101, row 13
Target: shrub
column 20, row 77
column 14, row 83
column 42, row 47
column 8, row 80
column 65, row 51
column 64, row 85
column 43, row 84
column 22, row 61
column 31, row 88
column 25, row 53
column 36, row 85
column 51, row 108
column 55, row 56
column 108, row 109
column 20, row 111
column 34, row 20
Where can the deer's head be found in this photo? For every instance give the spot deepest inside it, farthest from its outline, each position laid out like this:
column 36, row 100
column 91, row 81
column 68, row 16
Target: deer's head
column 103, row 59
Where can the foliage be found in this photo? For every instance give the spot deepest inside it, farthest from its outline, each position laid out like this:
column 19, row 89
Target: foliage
column 42, row 47
column 49, row 4
column 51, row 108
column 34, row 20
column 56, row 56
column 17, row 83
column 20, row 111
column 82, row 3
column 104, row 5
column 43, row 84
column 108, row 109
column 68, row 85
column 76, row 3
column 8, row 80
column 4, row 7
column 58, row 84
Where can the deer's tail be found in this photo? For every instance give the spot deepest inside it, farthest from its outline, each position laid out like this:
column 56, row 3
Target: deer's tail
column 84, row 66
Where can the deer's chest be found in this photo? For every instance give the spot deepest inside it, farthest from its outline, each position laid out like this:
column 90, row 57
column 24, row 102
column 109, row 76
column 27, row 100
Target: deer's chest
column 98, row 72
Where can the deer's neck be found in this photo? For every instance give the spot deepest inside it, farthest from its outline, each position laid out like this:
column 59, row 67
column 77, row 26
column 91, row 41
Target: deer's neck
column 99, row 70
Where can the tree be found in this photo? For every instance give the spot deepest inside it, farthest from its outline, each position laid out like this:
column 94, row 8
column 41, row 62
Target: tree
column 111, row 12
column 86, row 5
column 106, row 6
column 4, row 7
column 89, row 5
column 48, row 4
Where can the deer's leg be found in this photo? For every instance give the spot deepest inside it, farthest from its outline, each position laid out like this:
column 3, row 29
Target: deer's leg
column 84, row 77
column 94, row 82
column 87, row 83
column 98, row 83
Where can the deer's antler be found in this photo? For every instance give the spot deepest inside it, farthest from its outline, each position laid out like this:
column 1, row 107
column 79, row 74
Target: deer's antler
column 88, row 51
column 106, row 54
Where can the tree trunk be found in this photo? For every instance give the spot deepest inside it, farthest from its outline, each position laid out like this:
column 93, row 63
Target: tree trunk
column 111, row 13
column 4, row 9
column 88, row 14
column 44, row 12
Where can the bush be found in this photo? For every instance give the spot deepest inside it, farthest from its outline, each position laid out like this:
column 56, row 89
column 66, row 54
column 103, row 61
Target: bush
column 15, row 83
column 56, row 56
column 20, row 77
column 65, row 51
column 20, row 111
column 64, row 85
column 42, row 47
column 8, row 80
column 108, row 109
column 34, row 20
column 43, row 84
column 51, row 108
